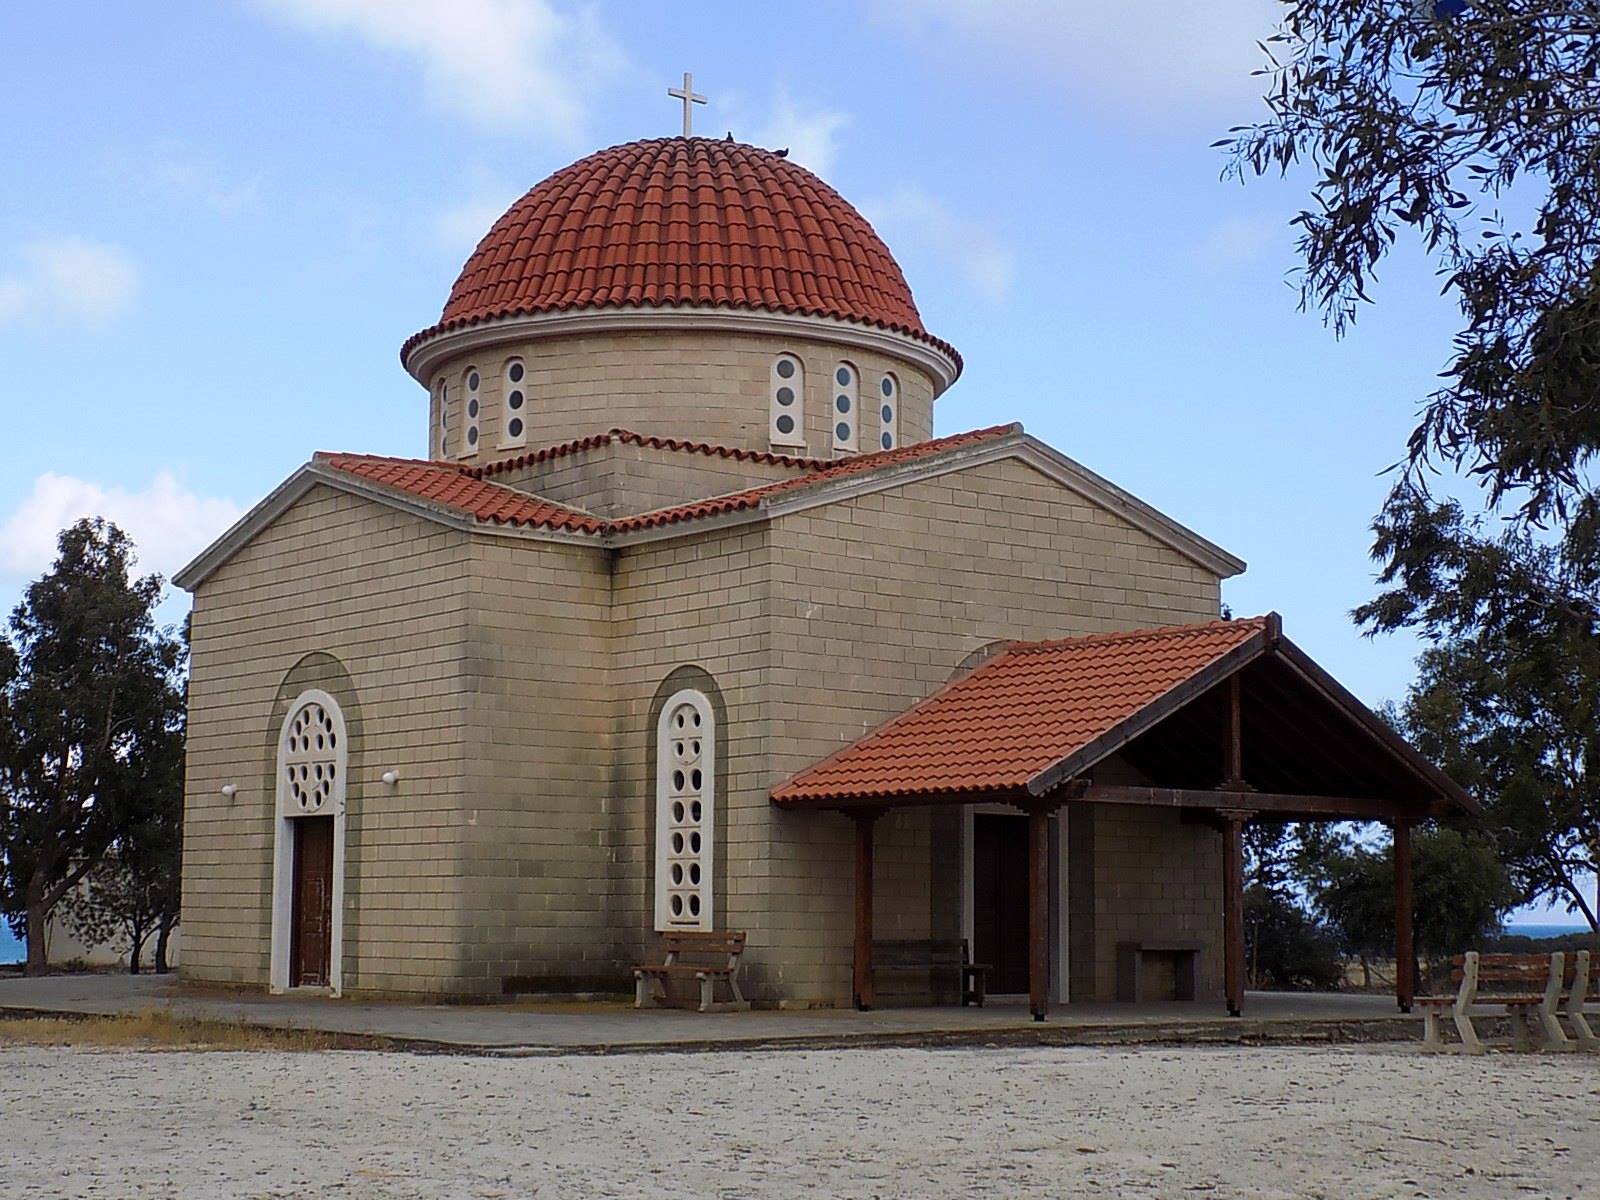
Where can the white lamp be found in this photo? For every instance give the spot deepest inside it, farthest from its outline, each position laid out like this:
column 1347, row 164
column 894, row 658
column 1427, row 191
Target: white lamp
column 229, row 790
column 390, row 778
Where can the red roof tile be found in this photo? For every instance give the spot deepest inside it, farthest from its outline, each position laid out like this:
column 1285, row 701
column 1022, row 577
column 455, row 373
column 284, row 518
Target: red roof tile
column 454, row 487
column 464, row 489
column 628, row 437
column 683, row 221
column 1019, row 714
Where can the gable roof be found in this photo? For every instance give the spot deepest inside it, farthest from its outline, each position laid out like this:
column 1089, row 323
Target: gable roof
column 467, row 495
column 1042, row 713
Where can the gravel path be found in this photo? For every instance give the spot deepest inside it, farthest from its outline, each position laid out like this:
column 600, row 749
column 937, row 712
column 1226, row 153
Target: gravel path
column 1381, row 1122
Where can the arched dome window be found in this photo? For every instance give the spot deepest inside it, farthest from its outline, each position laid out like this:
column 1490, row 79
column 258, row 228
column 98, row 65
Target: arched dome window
column 440, row 425
column 514, row 404
column 888, row 412
column 844, row 412
column 788, row 401
column 472, row 385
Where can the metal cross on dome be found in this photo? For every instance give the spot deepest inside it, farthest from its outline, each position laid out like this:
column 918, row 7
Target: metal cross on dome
column 690, row 98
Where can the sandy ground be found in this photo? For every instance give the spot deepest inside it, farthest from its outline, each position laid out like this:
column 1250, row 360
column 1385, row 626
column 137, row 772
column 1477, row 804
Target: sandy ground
column 1379, row 1122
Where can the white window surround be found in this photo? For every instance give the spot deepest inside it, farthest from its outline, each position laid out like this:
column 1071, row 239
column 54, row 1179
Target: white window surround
column 311, row 781
column 888, row 411
column 511, row 439
column 686, row 789
column 790, row 387
column 844, row 408
column 472, row 410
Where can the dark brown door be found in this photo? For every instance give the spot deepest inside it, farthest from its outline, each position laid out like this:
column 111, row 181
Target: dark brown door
column 1000, row 900
column 313, row 902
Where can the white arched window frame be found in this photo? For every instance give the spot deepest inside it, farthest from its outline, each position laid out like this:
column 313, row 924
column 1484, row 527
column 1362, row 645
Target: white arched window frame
column 889, row 411
column 441, row 418
column 472, row 389
column 844, row 408
column 787, row 401
column 513, row 404
column 312, row 767
column 686, row 788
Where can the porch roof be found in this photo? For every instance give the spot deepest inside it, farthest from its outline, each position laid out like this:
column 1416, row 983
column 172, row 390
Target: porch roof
column 1032, row 723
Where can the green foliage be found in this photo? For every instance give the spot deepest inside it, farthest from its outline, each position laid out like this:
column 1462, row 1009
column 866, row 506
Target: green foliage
column 1460, row 892
column 1285, row 946
column 90, row 707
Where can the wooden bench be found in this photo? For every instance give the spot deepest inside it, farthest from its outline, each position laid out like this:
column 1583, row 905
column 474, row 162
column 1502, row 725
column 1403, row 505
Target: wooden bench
column 934, row 954
column 714, row 959
column 1130, row 968
column 1524, row 987
column 1582, row 977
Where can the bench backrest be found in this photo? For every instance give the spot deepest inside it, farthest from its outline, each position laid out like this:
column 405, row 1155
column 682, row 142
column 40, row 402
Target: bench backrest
column 1586, row 961
column 920, row 952
column 1512, row 973
column 702, row 943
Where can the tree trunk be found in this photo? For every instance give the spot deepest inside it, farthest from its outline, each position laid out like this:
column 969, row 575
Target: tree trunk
column 135, row 949
column 163, row 936
column 33, row 932
column 1366, row 974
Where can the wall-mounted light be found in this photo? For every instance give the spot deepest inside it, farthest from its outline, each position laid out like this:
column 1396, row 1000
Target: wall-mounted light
column 390, row 778
column 229, row 790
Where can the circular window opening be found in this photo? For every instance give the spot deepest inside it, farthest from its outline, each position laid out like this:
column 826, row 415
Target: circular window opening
column 842, row 403
column 677, row 906
column 842, row 375
column 786, row 424
column 677, row 872
column 785, row 396
column 472, row 381
column 786, row 368
column 695, row 810
column 694, row 906
column 888, row 413
column 515, row 427
column 515, row 372
column 677, row 843
column 694, row 843
column 842, row 431
column 888, row 441
column 472, row 408
column 888, row 386
column 677, row 807
column 515, row 399
column 472, row 436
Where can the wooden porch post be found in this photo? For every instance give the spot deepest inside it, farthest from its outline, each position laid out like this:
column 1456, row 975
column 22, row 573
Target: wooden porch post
column 1039, row 911
column 1233, row 908
column 862, row 988
column 1405, row 955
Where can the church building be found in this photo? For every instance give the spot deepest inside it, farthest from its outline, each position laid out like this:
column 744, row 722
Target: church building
column 687, row 620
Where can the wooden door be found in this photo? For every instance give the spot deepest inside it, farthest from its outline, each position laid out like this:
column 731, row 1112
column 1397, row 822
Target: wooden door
column 312, row 927
column 1000, row 900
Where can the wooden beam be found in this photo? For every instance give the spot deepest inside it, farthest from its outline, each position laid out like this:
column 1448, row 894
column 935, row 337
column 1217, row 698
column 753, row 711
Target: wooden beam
column 1233, row 908
column 1335, row 808
column 1233, row 764
column 1039, row 911
column 862, row 962
column 1405, row 955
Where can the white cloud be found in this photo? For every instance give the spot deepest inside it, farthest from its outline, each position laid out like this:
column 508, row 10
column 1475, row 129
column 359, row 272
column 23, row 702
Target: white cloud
column 811, row 136
column 912, row 218
column 461, row 226
column 68, row 279
column 1237, row 240
column 172, row 171
column 503, row 63
column 1159, row 58
column 168, row 523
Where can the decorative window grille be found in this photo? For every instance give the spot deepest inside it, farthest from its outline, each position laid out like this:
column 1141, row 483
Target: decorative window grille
column 472, row 384
column 514, row 409
column 685, row 824
column 845, row 410
column 311, row 758
column 889, row 413
column 788, row 400
column 441, row 419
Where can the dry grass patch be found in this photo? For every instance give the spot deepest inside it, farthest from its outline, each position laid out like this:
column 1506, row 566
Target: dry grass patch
column 159, row 1029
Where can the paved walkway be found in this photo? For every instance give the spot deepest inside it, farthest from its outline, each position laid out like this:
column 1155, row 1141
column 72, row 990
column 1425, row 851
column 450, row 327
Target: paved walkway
column 609, row 1027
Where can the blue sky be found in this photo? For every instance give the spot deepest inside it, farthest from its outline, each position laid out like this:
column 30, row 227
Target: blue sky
column 221, row 219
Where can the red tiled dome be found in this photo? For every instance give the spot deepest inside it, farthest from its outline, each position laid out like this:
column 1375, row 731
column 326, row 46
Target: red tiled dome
column 683, row 221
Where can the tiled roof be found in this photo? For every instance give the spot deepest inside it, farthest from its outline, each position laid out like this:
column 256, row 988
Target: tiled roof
column 683, row 221
column 454, row 487
column 654, row 441
column 1019, row 714
column 463, row 489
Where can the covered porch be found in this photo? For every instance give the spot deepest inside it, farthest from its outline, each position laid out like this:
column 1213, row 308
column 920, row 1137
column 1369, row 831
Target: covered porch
column 1220, row 725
